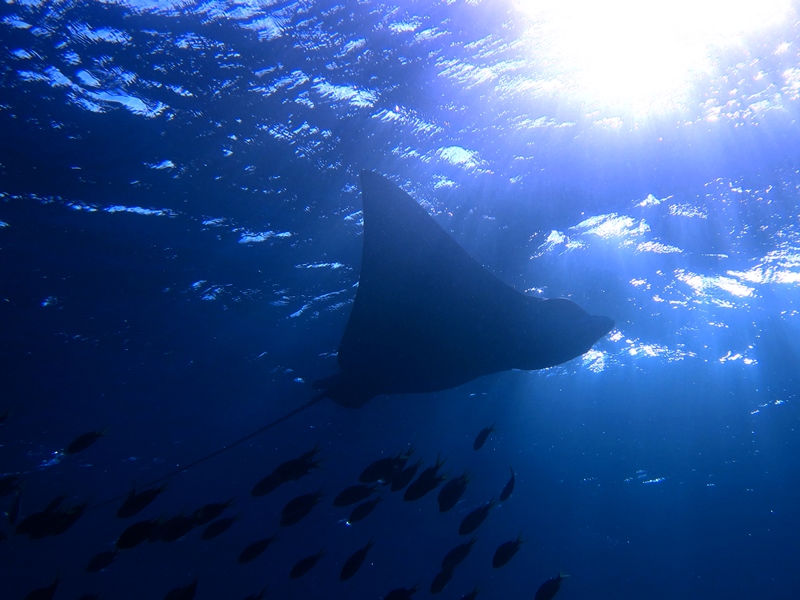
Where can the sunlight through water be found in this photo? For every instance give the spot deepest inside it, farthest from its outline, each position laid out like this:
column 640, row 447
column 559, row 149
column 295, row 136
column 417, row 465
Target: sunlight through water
column 626, row 57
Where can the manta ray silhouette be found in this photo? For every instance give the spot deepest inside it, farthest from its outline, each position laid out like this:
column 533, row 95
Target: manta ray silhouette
column 428, row 317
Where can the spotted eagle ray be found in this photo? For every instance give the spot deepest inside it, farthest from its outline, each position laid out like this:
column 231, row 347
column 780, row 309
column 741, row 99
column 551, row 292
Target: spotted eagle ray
column 428, row 317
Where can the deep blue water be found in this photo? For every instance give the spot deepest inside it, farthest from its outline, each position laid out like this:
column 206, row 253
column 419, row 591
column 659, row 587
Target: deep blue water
column 179, row 249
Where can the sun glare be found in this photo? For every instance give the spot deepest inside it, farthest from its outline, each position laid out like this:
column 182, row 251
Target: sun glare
column 639, row 57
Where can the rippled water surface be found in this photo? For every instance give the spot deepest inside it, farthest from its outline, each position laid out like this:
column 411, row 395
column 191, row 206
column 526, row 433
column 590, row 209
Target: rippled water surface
column 180, row 242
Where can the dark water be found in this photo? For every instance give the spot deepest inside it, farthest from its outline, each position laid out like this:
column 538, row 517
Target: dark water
column 180, row 243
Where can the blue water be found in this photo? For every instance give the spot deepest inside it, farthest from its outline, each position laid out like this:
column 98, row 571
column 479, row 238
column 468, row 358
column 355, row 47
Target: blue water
column 179, row 250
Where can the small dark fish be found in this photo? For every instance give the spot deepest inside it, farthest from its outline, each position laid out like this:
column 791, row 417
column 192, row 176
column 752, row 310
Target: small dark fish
column 136, row 534
column 401, row 593
column 427, row 481
column 405, row 476
column 482, row 437
column 385, row 469
column 13, row 512
column 304, row 565
column 442, row 579
column 44, row 593
column 34, row 524
column 549, row 588
column 362, row 510
column 138, row 501
column 473, row 520
column 219, row 527
column 209, row 512
column 506, row 551
column 55, row 503
column 379, row 470
column 64, row 519
column 353, row 563
column 253, row 551
column 44, row 523
column 41, row 524
column 83, row 441
column 452, row 559
column 101, row 560
column 299, row 507
column 183, row 592
column 291, row 470
column 353, row 494
column 258, row 596
column 506, row 493
column 452, row 491
column 472, row 595
column 173, row 529
column 8, row 485
column 3, row 535
column 294, row 469
column 266, row 485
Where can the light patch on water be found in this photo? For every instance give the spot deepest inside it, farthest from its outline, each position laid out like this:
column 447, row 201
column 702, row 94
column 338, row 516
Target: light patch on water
column 15, row 22
column 652, row 201
column 164, row 164
column 22, row 53
column 791, row 78
column 87, row 78
column 612, row 225
column 638, row 350
column 268, row 28
column 405, row 117
column 767, row 275
column 299, row 312
column 333, row 265
column 460, row 157
column 136, row 105
column 287, row 82
column 542, row 123
column 464, row 74
column 731, row 356
column 687, row 210
column 780, row 266
column 554, row 238
column 254, row 237
column 405, row 26
column 654, row 480
column 352, row 46
column 138, row 210
column 703, row 285
column 213, row 292
column 658, row 248
column 429, row 34
column 345, row 93
column 102, row 34
column 594, row 360
column 644, row 478
column 442, row 182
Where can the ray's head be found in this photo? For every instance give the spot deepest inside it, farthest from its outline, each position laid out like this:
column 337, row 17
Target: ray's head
column 564, row 331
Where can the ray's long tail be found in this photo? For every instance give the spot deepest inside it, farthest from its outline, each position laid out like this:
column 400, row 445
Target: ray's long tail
column 321, row 396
